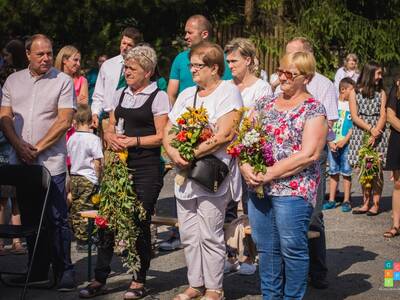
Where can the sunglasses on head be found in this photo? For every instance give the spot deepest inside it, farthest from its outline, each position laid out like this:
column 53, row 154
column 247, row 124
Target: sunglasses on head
column 289, row 75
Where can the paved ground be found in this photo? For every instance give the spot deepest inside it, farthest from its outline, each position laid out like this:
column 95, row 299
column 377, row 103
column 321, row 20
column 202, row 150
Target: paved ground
column 356, row 254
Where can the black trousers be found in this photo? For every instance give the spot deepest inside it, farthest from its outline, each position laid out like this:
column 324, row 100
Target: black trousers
column 147, row 183
column 317, row 247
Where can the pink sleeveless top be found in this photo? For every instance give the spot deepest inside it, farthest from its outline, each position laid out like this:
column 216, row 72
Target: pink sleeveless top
column 78, row 84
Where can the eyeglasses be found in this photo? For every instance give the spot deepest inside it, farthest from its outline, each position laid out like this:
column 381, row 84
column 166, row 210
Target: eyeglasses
column 288, row 75
column 196, row 66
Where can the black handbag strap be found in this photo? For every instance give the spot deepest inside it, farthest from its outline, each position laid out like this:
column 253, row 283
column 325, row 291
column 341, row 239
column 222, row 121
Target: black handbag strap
column 195, row 97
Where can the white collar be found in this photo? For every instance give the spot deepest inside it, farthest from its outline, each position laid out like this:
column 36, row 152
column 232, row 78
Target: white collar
column 146, row 91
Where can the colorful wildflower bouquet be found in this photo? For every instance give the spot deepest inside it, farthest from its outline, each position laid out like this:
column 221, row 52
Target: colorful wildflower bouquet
column 119, row 209
column 251, row 146
column 192, row 128
column 369, row 162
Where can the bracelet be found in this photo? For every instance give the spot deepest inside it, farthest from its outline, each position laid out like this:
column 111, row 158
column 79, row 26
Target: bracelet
column 137, row 141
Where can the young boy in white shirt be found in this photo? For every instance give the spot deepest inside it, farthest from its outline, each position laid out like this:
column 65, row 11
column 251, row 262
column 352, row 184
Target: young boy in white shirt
column 86, row 154
column 338, row 149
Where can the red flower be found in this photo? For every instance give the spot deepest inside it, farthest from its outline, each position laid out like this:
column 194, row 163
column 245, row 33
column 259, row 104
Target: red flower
column 205, row 134
column 181, row 136
column 101, row 222
column 234, row 151
column 294, row 185
column 268, row 128
column 181, row 121
column 279, row 140
column 277, row 131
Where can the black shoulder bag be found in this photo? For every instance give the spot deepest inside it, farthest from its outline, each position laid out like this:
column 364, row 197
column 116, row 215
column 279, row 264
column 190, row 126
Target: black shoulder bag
column 208, row 171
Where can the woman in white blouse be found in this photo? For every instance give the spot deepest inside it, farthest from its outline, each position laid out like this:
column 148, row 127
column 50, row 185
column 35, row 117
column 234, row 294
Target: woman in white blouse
column 349, row 69
column 201, row 213
column 241, row 59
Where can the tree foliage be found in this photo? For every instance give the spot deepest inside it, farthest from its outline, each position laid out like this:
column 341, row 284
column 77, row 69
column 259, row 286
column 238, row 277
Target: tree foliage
column 338, row 27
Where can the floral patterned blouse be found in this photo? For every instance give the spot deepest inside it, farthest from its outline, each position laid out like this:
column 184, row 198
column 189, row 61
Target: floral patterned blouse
column 285, row 129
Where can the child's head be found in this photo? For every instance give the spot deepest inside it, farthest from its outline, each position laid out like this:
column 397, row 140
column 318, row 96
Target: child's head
column 83, row 115
column 346, row 85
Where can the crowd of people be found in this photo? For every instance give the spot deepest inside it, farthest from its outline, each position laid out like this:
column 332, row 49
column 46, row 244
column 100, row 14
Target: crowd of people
column 60, row 118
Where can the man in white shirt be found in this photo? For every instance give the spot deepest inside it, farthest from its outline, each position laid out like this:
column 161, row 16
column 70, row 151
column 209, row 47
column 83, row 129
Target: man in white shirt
column 323, row 90
column 111, row 75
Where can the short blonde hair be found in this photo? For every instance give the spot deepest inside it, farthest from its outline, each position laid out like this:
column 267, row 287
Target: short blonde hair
column 145, row 56
column 246, row 49
column 303, row 61
column 65, row 53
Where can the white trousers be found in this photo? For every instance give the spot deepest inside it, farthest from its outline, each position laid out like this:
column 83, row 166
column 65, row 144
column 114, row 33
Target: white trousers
column 201, row 222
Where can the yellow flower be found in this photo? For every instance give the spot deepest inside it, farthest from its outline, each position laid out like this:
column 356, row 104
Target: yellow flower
column 123, row 155
column 95, row 199
column 189, row 135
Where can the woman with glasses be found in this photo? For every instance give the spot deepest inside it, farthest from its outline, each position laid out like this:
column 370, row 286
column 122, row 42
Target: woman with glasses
column 241, row 59
column 200, row 212
column 297, row 127
column 144, row 109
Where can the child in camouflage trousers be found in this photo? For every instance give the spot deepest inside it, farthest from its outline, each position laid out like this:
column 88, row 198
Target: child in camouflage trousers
column 86, row 154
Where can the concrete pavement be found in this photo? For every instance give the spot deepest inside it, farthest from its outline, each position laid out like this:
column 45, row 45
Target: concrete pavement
column 356, row 252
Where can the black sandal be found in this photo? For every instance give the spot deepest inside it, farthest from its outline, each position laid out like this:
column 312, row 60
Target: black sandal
column 136, row 293
column 90, row 291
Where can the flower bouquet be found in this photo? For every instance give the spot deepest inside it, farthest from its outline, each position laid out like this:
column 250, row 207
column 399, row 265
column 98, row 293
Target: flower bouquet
column 119, row 209
column 251, row 146
column 369, row 162
column 192, row 128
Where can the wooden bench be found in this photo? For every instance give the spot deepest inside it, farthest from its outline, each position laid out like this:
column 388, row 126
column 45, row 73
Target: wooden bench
column 157, row 220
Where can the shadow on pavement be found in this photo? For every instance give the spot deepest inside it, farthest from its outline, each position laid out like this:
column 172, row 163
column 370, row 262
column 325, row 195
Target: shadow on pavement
column 340, row 260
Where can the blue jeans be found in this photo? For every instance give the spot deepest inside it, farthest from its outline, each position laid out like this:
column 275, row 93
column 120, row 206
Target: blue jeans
column 338, row 162
column 279, row 229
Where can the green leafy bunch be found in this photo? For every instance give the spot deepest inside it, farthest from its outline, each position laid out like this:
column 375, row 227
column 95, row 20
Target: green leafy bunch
column 369, row 162
column 121, row 208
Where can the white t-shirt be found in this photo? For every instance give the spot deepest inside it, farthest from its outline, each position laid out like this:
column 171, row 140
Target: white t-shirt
column 83, row 148
column 255, row 92
column 224, row 99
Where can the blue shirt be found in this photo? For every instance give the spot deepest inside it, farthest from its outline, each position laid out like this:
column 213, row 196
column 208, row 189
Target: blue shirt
column 180, row 71
column 344, row 123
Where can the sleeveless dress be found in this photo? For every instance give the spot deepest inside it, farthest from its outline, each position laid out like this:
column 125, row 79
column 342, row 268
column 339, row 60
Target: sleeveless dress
column 393, row 152
column 369, row 111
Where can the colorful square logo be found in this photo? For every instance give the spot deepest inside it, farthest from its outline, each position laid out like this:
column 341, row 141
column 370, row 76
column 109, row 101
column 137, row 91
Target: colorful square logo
column 396, row 276
column 388, row 274
column 396, row 267
column 388, row 264
column 388, row 282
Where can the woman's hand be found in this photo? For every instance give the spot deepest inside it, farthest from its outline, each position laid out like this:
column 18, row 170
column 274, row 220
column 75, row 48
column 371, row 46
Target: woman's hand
column 177, row 159
column 126, row 141
column 113, row 141
column 371, row 140
column 263, row 179
column 375, row 132
column 249, row 176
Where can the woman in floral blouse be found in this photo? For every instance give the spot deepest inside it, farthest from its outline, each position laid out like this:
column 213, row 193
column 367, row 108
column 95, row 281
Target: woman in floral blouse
column 297, row 128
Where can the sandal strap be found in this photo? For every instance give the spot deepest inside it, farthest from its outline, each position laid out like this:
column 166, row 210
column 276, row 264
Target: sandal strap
column 220, row 291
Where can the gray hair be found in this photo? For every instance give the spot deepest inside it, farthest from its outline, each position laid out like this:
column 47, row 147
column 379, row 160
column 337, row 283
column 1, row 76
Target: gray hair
column 144, row 55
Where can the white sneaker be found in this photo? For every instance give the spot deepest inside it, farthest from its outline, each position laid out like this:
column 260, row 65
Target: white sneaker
column 230, row 267
column 247, row 269
column 171, row 244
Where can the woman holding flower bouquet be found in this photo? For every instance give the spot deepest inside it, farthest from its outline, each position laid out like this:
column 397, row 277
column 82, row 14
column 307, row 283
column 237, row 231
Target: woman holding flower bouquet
column 201, row 212
column 241, row 59
column 144, row 109
column 296, row 127
column 393, row 157
column 368, row 112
